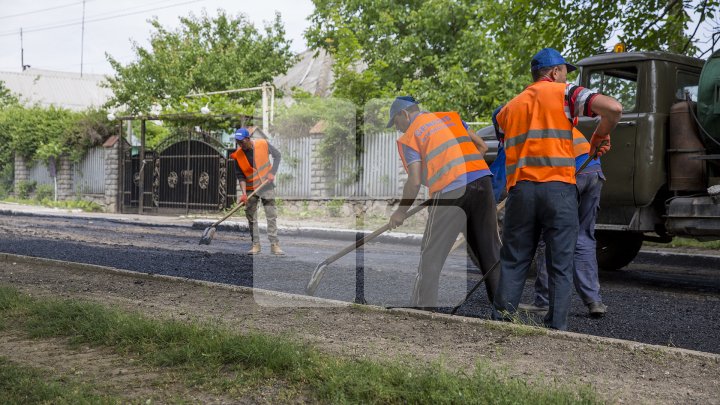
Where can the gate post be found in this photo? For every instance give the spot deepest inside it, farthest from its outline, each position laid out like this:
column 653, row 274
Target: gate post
column 141, row 180
column 112, row 173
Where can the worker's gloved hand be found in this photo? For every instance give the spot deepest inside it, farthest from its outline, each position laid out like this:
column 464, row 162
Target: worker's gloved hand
column 270, row 177
column 242, row 199
column 397, row 219
column 599, row 144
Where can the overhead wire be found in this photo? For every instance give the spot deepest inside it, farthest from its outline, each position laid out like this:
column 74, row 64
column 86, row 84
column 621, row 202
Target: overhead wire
column 42, row 10
column 93, row 19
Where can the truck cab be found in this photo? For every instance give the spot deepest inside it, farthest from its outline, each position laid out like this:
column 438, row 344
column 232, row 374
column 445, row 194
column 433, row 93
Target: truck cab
column 658, row 170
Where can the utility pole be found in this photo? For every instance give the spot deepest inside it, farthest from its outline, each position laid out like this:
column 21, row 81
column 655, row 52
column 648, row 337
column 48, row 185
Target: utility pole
column 82, row 40
column 22, row 53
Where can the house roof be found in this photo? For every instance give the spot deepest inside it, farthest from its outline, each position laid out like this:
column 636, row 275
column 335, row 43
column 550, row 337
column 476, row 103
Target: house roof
column 311, row 73
column 60, row 89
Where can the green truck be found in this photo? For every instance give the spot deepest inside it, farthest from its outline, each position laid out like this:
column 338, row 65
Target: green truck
column 663, row 172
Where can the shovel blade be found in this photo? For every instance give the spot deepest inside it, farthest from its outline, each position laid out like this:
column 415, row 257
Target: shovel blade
column 315, row 278
column 207, row 236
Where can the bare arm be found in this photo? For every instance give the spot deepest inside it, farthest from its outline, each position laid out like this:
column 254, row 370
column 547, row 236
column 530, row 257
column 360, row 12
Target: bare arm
column 410, row 192
column 609, row 110
column 478, row 141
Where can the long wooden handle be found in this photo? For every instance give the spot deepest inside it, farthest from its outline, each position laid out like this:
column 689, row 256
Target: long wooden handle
column 234, row 210
column 375, row 234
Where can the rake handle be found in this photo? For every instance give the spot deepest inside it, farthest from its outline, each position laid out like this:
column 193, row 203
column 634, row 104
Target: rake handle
column 242, row 204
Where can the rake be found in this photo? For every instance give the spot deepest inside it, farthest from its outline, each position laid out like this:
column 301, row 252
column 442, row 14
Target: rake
column 209, row 232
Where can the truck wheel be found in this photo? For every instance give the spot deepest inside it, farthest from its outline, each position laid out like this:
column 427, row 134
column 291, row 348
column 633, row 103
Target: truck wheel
column 616, row 250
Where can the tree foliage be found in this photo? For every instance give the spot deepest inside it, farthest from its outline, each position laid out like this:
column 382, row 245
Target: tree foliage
column 204, row 54
column 7, row 98
column 471, row 56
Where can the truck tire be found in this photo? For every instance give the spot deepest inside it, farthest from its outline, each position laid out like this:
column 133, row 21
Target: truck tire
column 616, row 250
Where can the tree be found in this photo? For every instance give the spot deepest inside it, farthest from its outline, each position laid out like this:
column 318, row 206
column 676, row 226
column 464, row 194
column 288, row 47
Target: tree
column 204, row 54
column 7, row 98
column 471, row 56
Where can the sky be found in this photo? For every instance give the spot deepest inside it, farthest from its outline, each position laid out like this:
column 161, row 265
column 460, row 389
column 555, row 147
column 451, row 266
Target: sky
column 52, row 33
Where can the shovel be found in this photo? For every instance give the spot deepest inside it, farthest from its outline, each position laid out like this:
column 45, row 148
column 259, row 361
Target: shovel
column 319, row 271
column 209, row 232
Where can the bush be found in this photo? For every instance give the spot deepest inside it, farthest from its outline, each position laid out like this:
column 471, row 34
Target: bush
column 334, row 207
column 23, row 189
column 44, row 192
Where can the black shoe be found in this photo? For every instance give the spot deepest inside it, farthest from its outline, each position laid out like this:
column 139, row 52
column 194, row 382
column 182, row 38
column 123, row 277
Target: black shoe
column 597, row 309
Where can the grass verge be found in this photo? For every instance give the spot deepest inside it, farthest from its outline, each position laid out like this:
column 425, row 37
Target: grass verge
column 206, row 349
column 25, row 385
column 87, row 206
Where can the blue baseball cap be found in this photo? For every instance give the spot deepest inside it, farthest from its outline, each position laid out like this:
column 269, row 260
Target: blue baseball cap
column 241, row 134
column 548, row 57
column 398, row 105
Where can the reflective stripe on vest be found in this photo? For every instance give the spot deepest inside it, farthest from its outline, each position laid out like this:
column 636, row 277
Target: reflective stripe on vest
column 581, row 145
column 446, row 150
column 261, row 157
column 539, row 143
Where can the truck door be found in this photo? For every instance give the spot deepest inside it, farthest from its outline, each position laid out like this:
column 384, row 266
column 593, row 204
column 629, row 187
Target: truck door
column 621, row 83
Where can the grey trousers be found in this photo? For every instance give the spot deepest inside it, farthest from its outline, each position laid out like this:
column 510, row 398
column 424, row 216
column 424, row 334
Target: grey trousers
column 471, row 210
column 585, row 277
column 268, row 201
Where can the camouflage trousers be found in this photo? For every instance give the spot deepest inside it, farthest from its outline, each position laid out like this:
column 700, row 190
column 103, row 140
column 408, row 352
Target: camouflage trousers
column 268, row 201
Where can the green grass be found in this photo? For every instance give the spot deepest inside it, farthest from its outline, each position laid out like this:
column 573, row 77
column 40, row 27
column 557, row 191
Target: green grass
column 693, row 243
column 25, row 385
column 87, row 206
column 215, row 353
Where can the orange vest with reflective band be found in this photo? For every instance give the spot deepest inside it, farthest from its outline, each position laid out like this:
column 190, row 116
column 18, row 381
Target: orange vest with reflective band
column 538, row 136
column 445, row 147
column 261, row 156
column 581, row 145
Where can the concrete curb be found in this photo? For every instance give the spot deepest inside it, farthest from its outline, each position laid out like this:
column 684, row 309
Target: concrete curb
column 571, row 336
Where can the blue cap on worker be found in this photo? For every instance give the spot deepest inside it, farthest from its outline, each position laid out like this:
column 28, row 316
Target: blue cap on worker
column 400, row 103
column 548, row 57
column 241, row 134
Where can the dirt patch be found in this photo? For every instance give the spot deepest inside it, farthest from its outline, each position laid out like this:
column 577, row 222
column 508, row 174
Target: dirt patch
column 619, row 371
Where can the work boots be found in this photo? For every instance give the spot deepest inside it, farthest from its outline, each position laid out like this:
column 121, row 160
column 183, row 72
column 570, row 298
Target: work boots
column 255, row 249
column 275, row 249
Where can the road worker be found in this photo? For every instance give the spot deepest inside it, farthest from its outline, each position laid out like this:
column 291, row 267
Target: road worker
column 542, row 195
column 585, row 277
column 252, row 169
column 437, row 151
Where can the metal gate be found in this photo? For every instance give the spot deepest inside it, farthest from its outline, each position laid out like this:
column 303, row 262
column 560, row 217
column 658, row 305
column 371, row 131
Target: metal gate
column 189, row 175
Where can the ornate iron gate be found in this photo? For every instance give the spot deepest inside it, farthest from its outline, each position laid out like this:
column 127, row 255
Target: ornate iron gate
column 189, row 175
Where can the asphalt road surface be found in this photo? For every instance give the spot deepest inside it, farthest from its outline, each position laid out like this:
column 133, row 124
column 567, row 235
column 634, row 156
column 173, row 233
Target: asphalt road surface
column 651, row 301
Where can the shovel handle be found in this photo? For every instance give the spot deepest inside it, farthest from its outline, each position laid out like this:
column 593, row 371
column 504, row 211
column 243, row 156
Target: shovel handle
column 371, row 236
column 234, row 210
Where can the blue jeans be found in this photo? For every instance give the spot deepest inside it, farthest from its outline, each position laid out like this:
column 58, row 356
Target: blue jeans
column 532, row 208
column 585, row 277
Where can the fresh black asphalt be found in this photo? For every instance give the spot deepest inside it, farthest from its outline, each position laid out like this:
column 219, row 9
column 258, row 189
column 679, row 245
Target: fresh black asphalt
column 644, row 305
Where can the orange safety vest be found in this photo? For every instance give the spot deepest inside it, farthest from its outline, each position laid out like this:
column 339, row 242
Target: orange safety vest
column 446, row 150
column 261, row 156
column 581, row 145
column 538, row 136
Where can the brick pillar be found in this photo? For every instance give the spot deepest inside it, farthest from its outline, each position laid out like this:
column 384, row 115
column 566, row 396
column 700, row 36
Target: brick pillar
column 112, row 175
column 319, row 178
column 65, row 179
column 21, row 171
